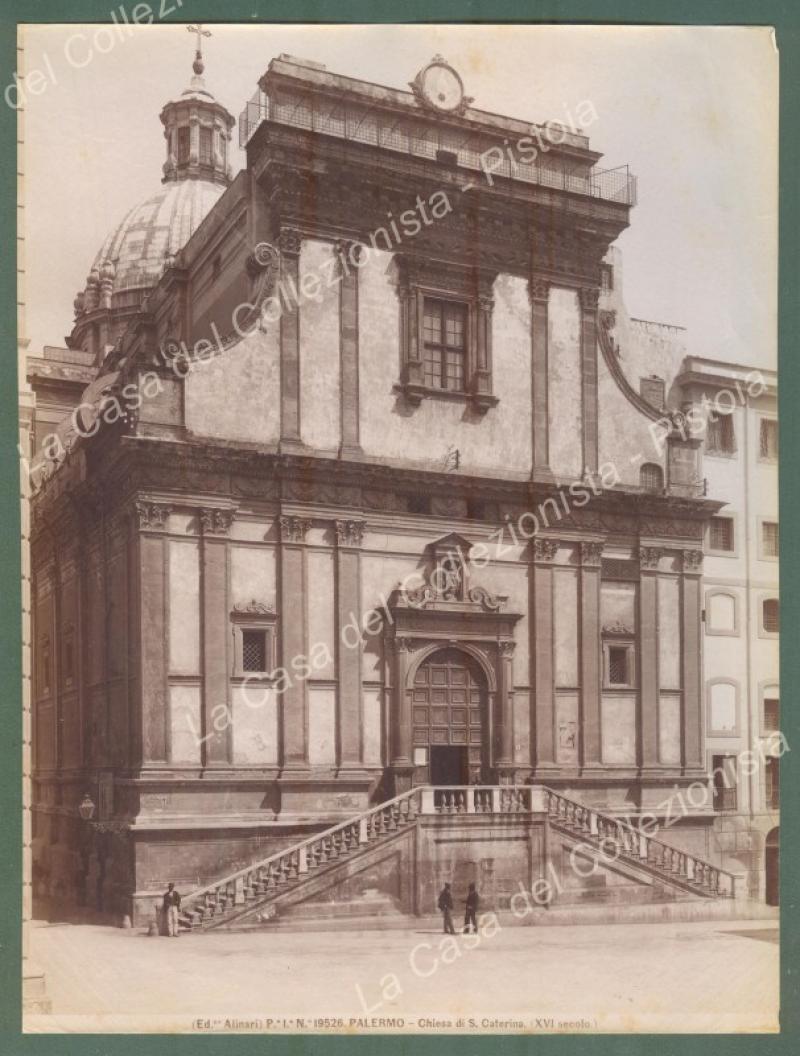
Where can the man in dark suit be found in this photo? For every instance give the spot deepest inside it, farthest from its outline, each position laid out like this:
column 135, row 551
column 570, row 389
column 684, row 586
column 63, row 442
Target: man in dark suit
column 446, row 907
column 472, row 908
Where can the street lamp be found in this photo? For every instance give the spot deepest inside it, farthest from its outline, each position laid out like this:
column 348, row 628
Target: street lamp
column 86, row 807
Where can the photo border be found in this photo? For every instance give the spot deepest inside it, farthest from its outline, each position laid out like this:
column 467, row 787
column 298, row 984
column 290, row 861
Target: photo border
column 784, row 15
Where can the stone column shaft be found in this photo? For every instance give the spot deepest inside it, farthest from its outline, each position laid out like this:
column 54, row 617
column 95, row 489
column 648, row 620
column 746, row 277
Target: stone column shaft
column 542, row 652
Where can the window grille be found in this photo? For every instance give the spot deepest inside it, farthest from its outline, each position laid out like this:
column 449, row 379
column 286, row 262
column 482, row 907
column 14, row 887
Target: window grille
column 720, row 533
column 772, row 707
column 719, row 434
column 768, row 438
column 254, row 650
column 769, row 537
column 771, row 615
column 618, row 665
column 651, row 477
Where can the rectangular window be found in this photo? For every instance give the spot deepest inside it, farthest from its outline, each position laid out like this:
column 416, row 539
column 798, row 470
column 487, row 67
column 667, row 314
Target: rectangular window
column 619, row 664
column 719, row 434
column 652, row 390
column 606, row 277
column 720, row 533
column 768, row 438
column 254, row 650
column 445, row 344
column 769, row 538
column 183, row 145
column 724, row 768
column 772, row 714
column 773, row 783
column 205, row 146
column 770, row 615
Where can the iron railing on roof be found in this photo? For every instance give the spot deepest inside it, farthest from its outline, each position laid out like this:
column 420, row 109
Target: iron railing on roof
column 405, row 135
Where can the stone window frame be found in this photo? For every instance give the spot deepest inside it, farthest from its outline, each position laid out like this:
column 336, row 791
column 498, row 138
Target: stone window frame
column 767, row 459
column 732, row 770
column 762, row 554
column 733, row 516
column 762, row 598
column 737, row 719
column 712, row 592
column 627, row 642
column 470, row 286
column 257, row 618
column 722, row 452
column 768, row 688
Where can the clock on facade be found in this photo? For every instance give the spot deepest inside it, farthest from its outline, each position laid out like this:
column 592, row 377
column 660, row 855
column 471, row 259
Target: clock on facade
column 439, row 86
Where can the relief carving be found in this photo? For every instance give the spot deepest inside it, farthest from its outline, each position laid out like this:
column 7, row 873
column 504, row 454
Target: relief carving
column 293, row 529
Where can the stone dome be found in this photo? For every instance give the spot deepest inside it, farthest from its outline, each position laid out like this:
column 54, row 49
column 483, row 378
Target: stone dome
column 135, row 253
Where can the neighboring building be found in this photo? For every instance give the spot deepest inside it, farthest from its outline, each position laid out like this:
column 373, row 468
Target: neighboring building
column 742, row 611
column 364, row 385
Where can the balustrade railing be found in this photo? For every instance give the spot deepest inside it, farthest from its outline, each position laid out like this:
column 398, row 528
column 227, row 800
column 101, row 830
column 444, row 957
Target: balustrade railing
column 632, row 843
column 281, row 870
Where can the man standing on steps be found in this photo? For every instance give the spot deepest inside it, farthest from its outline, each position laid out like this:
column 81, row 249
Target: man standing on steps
column 172, row 904
column 472, row 907
column 446, row 906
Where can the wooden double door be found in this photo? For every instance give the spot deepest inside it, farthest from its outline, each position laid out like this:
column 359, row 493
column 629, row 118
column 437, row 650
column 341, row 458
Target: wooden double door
column 449, row 719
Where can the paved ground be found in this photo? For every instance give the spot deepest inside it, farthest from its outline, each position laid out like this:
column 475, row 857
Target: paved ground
column 712, row 976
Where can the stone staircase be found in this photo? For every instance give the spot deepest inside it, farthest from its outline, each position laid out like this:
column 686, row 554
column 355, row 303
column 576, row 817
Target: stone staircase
column 287, row 877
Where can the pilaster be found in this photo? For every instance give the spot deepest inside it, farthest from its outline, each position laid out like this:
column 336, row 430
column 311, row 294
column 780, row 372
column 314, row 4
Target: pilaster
column 590, row 661
column 290, row 242
column 649, row 557
column 539, row 292
column 292, row 593
column 691, row 651
column 542, row 651
column 217, row 740
column 589, row 297
column 150, row 520
column 347, row 259
column 349, row 718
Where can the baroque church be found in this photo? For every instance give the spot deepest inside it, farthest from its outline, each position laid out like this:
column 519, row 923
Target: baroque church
column 355, row 478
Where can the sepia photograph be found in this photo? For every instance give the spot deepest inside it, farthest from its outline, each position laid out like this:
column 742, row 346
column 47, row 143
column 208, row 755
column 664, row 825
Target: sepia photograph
column 398, row 438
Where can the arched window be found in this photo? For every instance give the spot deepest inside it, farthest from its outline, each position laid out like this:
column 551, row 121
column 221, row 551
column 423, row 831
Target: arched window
column 651, row 477
column 771, row 615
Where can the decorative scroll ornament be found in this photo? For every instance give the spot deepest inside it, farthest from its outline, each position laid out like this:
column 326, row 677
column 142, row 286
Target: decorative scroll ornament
column 618, row 628
column 447, row 580
column 252, row 608
column 263, row 267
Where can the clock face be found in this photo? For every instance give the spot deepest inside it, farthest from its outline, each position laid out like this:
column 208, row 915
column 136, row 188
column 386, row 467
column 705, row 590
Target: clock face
column 442, row 87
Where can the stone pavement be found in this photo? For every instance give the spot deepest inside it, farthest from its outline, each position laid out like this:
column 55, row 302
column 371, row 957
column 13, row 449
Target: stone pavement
column 714, row 976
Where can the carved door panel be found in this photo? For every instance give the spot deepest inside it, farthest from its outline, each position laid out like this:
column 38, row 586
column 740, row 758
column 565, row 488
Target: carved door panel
column 448, row 708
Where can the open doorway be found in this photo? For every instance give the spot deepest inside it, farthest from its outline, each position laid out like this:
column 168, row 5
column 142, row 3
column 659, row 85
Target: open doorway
column 449, row 765
column 772, row 869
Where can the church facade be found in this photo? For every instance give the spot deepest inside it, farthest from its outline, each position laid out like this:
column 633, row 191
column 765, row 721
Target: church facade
column 357, row 475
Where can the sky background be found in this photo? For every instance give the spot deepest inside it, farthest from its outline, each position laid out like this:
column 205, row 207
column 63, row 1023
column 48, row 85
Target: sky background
column 693, row 111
